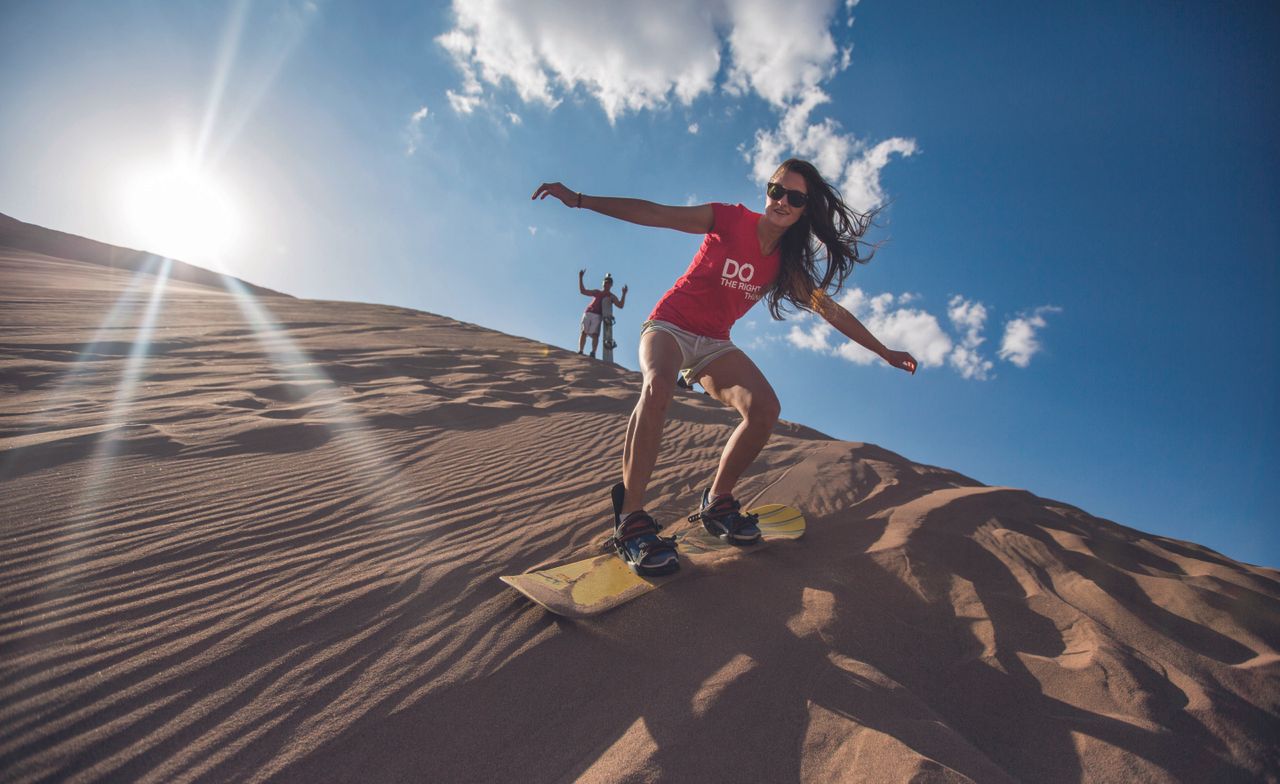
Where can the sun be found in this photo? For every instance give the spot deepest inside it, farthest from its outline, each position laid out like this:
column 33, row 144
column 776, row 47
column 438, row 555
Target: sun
column 182, row 212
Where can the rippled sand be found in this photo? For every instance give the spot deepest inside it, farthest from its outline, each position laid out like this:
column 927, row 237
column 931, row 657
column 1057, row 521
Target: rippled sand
column 255, row 537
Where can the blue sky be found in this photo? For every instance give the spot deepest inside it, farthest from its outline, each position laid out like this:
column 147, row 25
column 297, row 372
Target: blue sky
column 1079, row 202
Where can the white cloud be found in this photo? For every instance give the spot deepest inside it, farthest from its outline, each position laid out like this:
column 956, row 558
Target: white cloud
column 635, row 56
column 848, row 162
column 628, row 56
column 904, row 329
column 463, row 103
column 779, row 50
column 1020, row 343
column 907, row 329
column 413, row 132
column 533, row 231
column 693, row 128
column 969, row 318
column 814, row 338
column 970, row 364
column 919, row 333
column 462, row 47
column 515, row 118
column 861, row 180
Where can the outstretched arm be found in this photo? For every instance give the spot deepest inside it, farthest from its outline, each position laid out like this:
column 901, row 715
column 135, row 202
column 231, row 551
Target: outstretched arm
column 695, row 220
column 850, row 327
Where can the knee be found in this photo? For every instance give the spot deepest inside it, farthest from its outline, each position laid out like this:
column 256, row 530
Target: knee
column 656, row 393
column 763, row 411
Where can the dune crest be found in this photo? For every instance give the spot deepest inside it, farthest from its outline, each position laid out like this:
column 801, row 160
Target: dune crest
column 258, row 538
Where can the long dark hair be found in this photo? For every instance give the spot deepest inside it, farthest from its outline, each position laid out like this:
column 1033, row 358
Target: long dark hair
column 827, row 224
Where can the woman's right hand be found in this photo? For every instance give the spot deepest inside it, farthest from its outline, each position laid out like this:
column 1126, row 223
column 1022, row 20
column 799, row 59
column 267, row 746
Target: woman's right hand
column 567, row 197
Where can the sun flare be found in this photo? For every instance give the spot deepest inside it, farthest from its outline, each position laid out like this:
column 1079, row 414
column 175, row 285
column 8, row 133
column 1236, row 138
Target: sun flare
column 181, row 212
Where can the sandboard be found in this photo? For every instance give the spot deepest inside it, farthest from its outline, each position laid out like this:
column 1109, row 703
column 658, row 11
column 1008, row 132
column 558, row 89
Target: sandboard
column 590, row 586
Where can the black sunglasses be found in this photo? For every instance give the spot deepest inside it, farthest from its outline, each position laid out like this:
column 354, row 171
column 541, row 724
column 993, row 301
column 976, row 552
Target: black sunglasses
column 796, row 199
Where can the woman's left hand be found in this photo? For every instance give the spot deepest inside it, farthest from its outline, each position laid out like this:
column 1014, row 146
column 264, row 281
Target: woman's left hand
column 902, row 360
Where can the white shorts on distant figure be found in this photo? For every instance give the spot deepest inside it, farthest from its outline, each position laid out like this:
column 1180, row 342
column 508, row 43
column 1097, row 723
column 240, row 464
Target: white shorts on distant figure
column 591, row 324
column 696, row 351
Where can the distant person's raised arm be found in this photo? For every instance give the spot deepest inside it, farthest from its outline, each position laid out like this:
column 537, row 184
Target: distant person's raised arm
column 582, row 288
column 621, row 303
column 698, row 219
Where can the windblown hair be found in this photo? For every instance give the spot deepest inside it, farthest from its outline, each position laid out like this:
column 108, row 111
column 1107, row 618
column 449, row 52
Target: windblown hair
column 827, row 225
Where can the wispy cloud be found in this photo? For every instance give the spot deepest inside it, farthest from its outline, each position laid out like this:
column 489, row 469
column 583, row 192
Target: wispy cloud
column 413, row 131
column 1020, row 341
column 693, row 128
column 852, row 164
column 462, row 47
column 464, row 102
column 899, row 324
column 795, row 90
column 969, row 319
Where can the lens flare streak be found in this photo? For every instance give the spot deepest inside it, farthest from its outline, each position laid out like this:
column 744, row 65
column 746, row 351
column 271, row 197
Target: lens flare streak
column 98, row 471
column 374, row 474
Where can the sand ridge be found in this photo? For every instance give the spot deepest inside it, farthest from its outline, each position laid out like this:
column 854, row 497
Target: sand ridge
column 266, row 547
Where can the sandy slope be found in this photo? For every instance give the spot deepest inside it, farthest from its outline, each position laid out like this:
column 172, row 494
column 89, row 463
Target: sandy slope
column 268, row 546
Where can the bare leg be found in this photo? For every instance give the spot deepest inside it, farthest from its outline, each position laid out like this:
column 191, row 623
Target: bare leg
column 659, row 362
column 734, row 380
column 582, row 340
column 595, row 339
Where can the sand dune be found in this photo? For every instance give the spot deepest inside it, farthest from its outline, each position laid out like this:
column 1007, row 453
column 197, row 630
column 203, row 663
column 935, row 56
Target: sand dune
column 259, row 539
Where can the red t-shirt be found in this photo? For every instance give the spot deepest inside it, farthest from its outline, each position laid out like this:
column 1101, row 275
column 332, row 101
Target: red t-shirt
column 597, row 298
column 726, row 277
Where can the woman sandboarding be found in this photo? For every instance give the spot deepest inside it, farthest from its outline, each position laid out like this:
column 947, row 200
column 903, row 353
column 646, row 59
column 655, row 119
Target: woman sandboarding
column 745, row 256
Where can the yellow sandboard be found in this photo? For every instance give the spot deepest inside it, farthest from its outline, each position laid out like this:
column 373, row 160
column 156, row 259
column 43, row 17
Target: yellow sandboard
column 593, row 585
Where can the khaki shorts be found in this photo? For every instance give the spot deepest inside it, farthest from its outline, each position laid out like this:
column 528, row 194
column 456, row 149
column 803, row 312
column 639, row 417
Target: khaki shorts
column 696, row 351
column 591, row 323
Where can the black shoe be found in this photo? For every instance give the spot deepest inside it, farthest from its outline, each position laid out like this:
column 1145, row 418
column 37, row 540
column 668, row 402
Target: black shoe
column 724, row 519
column 637, row 542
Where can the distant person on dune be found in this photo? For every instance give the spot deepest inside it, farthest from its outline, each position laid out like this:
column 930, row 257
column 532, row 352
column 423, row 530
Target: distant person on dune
column 595, row 310
column 745, row 256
